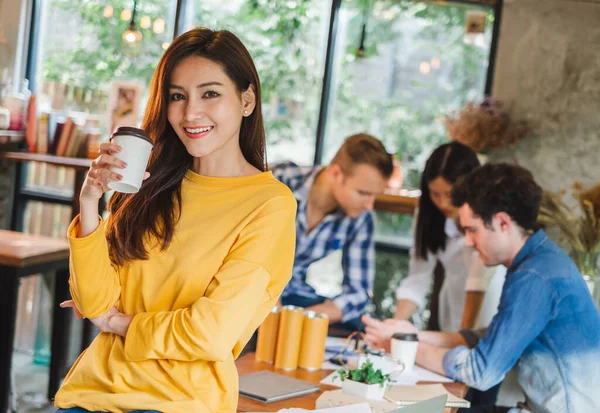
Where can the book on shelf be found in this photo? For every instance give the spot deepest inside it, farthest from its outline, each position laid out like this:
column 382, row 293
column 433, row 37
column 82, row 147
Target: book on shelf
column 63, row 139
column 42, row 134
column 31, row 131
column 65, row 134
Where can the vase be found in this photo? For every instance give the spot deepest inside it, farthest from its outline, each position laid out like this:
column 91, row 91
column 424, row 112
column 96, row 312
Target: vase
column 368, row 391
column 587, row 262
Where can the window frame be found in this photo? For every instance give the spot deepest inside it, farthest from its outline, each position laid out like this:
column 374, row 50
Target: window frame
column 180, row 18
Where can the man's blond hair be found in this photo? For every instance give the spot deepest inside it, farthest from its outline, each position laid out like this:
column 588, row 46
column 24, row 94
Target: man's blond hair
column 364, row 149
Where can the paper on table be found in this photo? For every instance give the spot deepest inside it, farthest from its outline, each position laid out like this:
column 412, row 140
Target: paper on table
column 416, row 375
column 339, row 399
column 396, row 396
column 355, row 408
column 428, row 375
column 404, row 395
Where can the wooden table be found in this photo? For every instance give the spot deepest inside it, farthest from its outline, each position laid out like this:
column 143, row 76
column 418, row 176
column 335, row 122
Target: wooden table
column 22, row 255
column 246, row 365
column 22, row 194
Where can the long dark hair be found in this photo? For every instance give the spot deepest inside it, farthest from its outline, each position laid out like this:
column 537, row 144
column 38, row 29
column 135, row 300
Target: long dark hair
column 449, row 161
column 155, row 209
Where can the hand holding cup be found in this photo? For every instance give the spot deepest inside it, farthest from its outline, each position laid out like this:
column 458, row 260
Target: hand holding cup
column 96, row 182
column 121, row 165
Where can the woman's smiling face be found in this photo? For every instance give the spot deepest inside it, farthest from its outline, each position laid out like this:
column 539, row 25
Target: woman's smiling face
column 205, row 107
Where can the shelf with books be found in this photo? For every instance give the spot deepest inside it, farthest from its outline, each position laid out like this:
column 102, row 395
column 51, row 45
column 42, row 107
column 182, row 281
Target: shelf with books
column 11, row 138
column 80, row 164
column 65, row 134
column 12, row 133
column 44, row 195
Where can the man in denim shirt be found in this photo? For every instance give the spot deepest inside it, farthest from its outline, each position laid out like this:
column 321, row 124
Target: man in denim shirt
column 547, row 324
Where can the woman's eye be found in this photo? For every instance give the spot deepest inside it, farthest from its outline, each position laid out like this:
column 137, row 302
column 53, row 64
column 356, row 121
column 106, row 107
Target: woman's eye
column 211, row 94
column 177, row 96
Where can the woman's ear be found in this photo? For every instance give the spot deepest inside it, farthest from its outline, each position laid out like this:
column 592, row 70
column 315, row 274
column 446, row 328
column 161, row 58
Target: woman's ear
column 248, row 101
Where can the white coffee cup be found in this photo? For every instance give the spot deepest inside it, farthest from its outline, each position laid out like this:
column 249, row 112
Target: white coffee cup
column 136, row 146
column 404, row 349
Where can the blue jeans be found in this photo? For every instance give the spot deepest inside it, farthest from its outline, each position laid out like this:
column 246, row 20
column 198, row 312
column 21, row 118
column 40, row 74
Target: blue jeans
column 80, row 410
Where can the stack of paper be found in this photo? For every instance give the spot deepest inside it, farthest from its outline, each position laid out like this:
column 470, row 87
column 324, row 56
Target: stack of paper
column 400, row 378
column 405, row 395
column 355, row 408
column 397, row 396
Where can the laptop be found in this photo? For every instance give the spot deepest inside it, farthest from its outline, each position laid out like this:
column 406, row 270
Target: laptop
column 266, row 386
column 435, row 405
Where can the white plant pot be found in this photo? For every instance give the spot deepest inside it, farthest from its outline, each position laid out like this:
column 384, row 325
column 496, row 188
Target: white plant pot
column 368, row 391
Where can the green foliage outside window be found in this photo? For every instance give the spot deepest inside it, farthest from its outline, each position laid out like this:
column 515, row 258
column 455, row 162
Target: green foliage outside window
column 94, row 57
column 287, row 40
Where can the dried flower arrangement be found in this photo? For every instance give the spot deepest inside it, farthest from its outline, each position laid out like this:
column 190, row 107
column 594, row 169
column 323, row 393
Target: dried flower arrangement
column 485, row 125
column 581, row 230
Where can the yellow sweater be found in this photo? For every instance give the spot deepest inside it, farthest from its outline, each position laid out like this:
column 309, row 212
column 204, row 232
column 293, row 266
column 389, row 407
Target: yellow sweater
column 195, row 305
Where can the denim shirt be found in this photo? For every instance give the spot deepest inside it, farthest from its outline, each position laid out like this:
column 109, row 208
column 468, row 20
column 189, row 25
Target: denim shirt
column 548, row 326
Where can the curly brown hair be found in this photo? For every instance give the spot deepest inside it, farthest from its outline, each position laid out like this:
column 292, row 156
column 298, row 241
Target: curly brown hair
column 500, row 187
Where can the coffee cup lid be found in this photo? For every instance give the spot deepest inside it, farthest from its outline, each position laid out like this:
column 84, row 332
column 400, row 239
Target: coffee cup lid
column 314, row 314
column 131, row 131
column 406, row 336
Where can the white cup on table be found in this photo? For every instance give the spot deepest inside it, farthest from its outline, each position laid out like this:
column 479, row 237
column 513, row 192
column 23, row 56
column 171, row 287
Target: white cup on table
column 404, row 349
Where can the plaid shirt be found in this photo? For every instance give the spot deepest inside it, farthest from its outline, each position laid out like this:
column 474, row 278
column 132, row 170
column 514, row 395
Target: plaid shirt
column 354, row 236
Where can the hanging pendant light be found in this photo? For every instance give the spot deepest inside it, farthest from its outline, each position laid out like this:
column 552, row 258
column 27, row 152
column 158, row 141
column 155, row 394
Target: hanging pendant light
column 132, row 38
column 360, row 52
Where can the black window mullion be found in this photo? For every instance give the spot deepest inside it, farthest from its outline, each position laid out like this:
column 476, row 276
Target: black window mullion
column 327, row 77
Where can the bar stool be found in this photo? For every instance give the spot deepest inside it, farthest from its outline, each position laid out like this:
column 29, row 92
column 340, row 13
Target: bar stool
column 22, row 255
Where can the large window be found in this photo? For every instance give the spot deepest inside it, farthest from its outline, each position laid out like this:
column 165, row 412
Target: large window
column 418, row 64
column 287, row 40
column 399, row 67
column 89, row 52
column 80, row 66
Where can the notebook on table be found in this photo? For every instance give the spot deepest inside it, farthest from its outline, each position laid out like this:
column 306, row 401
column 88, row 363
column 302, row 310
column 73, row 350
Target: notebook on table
column 266, row 386
column 435, row 405
column 407, row 395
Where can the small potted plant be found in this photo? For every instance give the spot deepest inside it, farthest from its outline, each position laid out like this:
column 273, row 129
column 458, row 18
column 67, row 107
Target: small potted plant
column 365, row 381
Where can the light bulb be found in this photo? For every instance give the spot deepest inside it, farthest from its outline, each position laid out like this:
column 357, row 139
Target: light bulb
column 132, row 36
column 159, row 26
column 132, row 40
column 145, row 22
column 126, row 14
column 108, row 11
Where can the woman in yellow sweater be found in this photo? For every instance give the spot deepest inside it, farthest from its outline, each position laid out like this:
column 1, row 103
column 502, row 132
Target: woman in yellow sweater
column 183, row 272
